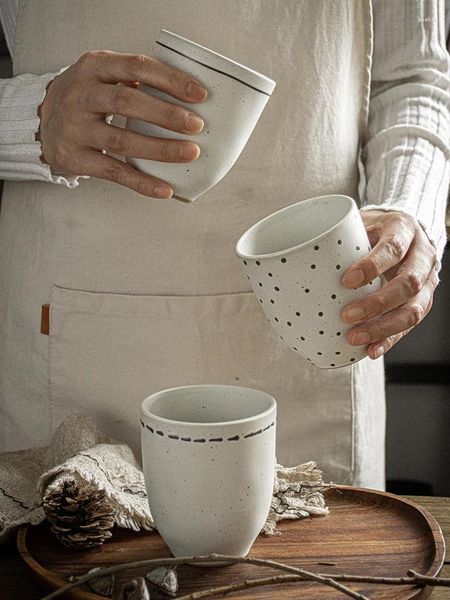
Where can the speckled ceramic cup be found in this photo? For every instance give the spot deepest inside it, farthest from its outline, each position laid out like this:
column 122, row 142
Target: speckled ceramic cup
column 294, row 260
column 237, row 96
column 208, row 455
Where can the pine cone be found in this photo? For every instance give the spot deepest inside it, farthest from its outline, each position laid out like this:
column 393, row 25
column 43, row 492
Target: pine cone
column 81, row 516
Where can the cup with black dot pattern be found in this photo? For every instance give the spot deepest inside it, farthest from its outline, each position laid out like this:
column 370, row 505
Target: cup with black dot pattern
column 294, row 260
column 208, row 455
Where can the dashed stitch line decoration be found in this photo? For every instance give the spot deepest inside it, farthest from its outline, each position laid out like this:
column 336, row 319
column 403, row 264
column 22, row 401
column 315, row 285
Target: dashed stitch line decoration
column 234, row 438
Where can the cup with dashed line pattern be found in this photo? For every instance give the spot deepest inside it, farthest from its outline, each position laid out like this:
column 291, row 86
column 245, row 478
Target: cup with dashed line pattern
column 208, row 454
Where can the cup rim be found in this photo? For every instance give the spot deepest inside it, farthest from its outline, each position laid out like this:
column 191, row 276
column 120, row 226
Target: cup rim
column 229, row 67
column 145, row 410
column 291, row 249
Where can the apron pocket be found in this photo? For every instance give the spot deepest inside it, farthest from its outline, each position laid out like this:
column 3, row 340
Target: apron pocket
column 108, row 351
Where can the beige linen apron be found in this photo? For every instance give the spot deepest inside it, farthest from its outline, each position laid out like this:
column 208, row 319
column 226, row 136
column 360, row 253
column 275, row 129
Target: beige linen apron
column 147, row 294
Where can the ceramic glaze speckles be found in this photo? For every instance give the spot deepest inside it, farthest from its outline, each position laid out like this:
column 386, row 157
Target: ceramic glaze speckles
column 208, row 455
column 294, row 260
column 236, row 98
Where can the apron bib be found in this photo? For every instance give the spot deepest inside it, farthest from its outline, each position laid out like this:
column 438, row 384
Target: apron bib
column 147, row 294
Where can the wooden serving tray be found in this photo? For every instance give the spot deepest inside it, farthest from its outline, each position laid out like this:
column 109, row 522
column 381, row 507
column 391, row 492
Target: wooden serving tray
column 366, row 533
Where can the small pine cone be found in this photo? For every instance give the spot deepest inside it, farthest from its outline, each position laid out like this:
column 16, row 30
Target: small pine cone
column 81, row 516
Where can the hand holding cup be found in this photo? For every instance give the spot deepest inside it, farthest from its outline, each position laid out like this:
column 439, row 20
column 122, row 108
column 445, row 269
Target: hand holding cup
column 294, row 260
column 73, row 131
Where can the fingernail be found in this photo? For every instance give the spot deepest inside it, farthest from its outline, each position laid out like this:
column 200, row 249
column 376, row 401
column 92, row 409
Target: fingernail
column 193, row 124
column 379, row 351
column 195, row 91
column 353, row 278
column 162, row 191
column 361, row 337
column 189, row 151
column 352, row 315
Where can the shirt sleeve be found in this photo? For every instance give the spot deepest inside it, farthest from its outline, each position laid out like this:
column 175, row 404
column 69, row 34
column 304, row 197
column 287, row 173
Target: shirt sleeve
column 20, row 153
column 406, row 152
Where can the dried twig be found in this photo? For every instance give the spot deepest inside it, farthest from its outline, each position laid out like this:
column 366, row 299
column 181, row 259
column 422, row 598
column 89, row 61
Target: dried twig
column 300, row 575
column 249, row 583
column 414, row 579
column 210, row 557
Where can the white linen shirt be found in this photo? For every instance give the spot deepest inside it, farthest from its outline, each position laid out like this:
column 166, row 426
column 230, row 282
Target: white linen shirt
column 405, row 156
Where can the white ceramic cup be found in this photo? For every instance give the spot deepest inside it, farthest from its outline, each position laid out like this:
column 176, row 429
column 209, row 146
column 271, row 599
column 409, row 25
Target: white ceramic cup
column 294, row 260
column 237, row 96
column 208, row 455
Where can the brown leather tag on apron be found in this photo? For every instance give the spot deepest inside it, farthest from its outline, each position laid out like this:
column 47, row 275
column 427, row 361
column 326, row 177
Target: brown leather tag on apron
column 45, row 319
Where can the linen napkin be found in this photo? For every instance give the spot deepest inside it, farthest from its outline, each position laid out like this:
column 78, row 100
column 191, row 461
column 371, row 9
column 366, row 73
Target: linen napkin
column 79, row 451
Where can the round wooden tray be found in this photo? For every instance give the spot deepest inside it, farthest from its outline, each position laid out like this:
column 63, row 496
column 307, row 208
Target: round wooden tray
column 366, row 533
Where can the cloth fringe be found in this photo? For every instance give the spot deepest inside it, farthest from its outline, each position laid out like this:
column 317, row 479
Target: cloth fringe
column 81, row 452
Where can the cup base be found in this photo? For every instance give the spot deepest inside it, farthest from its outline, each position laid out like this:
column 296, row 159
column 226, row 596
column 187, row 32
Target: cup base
column 186, row 200
column 212, row 563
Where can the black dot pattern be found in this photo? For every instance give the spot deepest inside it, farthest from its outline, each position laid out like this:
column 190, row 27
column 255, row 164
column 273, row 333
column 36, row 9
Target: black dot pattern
column 322, row 344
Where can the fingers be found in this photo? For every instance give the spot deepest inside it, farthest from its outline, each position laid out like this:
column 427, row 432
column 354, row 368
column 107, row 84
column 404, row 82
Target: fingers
column 129, row 143
column 106, row 167
column 378, row 349
column 393, row 294
column 128, row 102
column 112, row 67
column 382, row 333
column 408, row 281
column 396, row 233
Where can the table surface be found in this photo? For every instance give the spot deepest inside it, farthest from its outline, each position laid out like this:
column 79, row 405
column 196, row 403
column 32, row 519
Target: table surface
column 17, row 584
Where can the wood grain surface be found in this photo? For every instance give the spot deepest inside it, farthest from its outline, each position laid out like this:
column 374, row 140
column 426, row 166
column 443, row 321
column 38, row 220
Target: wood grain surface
column 365, row 533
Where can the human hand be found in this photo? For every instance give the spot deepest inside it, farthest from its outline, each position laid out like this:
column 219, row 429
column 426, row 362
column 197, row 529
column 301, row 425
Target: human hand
column 402, row 252
column 73, row 131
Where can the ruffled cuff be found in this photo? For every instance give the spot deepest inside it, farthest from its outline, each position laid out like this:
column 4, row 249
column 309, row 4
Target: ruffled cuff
column 20, row 152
